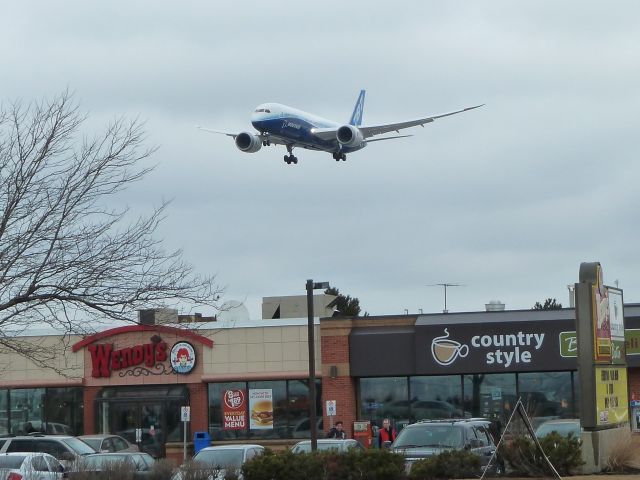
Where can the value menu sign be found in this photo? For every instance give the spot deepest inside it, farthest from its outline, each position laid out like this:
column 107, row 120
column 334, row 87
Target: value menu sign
column 234, row 410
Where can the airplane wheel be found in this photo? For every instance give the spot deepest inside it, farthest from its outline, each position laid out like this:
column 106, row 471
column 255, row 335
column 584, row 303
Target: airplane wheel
column 268, row 143
column 295, row 160
column 286, row 159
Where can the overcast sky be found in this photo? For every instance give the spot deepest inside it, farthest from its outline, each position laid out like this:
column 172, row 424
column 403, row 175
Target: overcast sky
column 506, row 200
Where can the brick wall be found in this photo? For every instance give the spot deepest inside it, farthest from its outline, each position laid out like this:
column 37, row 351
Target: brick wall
column 199, row 408
column 89, row 418
column 337, row 383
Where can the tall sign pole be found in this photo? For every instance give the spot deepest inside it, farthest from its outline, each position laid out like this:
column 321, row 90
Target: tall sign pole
column 312, row 368
column 602, row 365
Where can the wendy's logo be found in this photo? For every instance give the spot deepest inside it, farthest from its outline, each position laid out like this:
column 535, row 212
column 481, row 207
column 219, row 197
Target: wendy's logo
column 183, row 357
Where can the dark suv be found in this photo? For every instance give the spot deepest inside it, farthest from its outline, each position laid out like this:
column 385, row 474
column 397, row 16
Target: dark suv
column 66, row 449
column 431, row 437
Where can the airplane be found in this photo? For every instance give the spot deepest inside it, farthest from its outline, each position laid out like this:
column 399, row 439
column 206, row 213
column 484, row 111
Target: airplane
column 282, row 125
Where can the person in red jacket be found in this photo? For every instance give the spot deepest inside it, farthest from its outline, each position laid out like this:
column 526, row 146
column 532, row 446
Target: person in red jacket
column 387, row 433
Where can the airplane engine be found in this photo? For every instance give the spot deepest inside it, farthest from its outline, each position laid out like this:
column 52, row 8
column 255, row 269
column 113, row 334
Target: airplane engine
column 349, row 136
column 248, row 142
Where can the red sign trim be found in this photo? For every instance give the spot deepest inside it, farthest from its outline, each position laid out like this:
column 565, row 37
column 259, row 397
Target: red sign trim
column 142, row 328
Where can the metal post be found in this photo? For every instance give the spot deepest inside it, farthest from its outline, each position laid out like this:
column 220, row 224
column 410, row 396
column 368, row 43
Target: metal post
column 184, row 444
column 312, row 368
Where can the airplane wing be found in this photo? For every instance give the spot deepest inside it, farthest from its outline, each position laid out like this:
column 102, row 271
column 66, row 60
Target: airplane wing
column 396, row 127
column 370, row 131
column 234, row 135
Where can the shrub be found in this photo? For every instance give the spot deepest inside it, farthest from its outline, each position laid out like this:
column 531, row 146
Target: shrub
column 116, row 470
column 193, row 470
column 524, row 458
column 624, row 455
column 448, row 464
column 353, row 465
column 161, row 470
column 283, row 466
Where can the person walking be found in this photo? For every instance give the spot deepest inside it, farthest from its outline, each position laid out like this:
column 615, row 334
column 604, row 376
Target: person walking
column 387, row 433
column 337, row 431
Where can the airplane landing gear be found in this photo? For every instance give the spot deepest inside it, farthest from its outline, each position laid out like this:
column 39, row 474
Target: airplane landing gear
column 291, row 158
column 337, row 156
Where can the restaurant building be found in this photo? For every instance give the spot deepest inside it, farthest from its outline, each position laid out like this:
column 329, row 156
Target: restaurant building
column 137, row 378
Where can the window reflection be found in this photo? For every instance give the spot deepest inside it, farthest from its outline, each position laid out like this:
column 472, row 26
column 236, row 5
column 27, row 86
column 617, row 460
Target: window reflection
column 490, row 396
column 546, row 395
column 290, row 409
column 385, row 397
column 4, row 412
column 436, row 397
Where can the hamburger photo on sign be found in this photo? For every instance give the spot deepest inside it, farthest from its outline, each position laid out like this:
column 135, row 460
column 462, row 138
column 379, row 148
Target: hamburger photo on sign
column 261, row 409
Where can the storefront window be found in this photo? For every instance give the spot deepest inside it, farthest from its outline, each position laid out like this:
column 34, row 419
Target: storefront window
column 279, row 399
column 216, row 425
column 436, row 397
column 384, row 397
column 63, row 411
column 546, row 395
column 290, row 409
column 490, row 396
column 4, row 412
column 27, row 409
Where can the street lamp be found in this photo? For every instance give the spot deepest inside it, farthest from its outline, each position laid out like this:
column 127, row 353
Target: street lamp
column 311, row 286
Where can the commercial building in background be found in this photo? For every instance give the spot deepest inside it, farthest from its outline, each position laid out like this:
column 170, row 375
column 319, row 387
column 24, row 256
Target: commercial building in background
column 247, row 381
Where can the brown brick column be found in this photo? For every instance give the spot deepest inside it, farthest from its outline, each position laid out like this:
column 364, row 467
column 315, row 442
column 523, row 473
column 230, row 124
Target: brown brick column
column 89, row 417
column 199, row 408
column 337, row 383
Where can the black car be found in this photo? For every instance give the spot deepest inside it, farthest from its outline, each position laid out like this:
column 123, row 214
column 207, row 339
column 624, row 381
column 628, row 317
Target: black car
column 430, row 437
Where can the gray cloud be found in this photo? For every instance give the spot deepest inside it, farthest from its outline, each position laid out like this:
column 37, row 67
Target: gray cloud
column 507, row 199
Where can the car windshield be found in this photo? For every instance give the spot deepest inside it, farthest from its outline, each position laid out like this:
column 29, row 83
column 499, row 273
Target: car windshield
column 11, row 461
column 79, row 446
column 93, row 443
column 563, row 428
column 223, row 458
column 429, row 436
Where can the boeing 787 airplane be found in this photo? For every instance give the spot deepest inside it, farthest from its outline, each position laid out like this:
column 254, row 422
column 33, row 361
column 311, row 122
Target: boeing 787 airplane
column 282, row 125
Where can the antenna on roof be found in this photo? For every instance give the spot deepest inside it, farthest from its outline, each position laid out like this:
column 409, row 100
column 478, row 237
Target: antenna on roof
column 445, row 285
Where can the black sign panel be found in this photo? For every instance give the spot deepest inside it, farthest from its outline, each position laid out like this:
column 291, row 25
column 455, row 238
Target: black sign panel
column 493, row 347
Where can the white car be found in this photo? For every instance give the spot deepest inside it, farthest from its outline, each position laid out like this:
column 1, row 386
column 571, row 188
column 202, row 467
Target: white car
column 219, row 460
column 30, row 466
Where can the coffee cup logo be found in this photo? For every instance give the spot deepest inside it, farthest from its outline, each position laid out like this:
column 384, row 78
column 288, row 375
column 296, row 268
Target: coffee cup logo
column 445, row 351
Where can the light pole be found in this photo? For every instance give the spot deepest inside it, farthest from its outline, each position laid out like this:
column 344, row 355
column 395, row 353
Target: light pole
column 311, row 286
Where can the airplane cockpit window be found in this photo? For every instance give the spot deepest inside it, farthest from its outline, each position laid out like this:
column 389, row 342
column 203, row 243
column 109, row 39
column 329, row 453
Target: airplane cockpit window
column 266, row 110
column 262, row 110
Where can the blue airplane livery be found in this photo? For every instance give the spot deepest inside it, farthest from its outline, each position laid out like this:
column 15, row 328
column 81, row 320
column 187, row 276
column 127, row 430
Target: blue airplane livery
column 282, row 125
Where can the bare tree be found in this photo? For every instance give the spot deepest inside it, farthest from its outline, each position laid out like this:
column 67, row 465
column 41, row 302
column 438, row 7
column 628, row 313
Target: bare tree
column 66, row 256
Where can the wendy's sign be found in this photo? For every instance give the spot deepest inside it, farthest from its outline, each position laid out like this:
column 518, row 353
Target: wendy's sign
column 104, row 359
column 137, row 350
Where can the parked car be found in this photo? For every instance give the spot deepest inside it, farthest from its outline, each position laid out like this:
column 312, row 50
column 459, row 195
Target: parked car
column 30, row 466
column 102, row 465
column 326, row 444
column 65, row 449
column 563, row 426
column 430, row 437
column 105, row 443
column 37, row 426
column 222, row 459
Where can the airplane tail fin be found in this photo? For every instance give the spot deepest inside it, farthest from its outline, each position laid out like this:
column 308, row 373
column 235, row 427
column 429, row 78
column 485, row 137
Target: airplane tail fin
column 356, row 116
